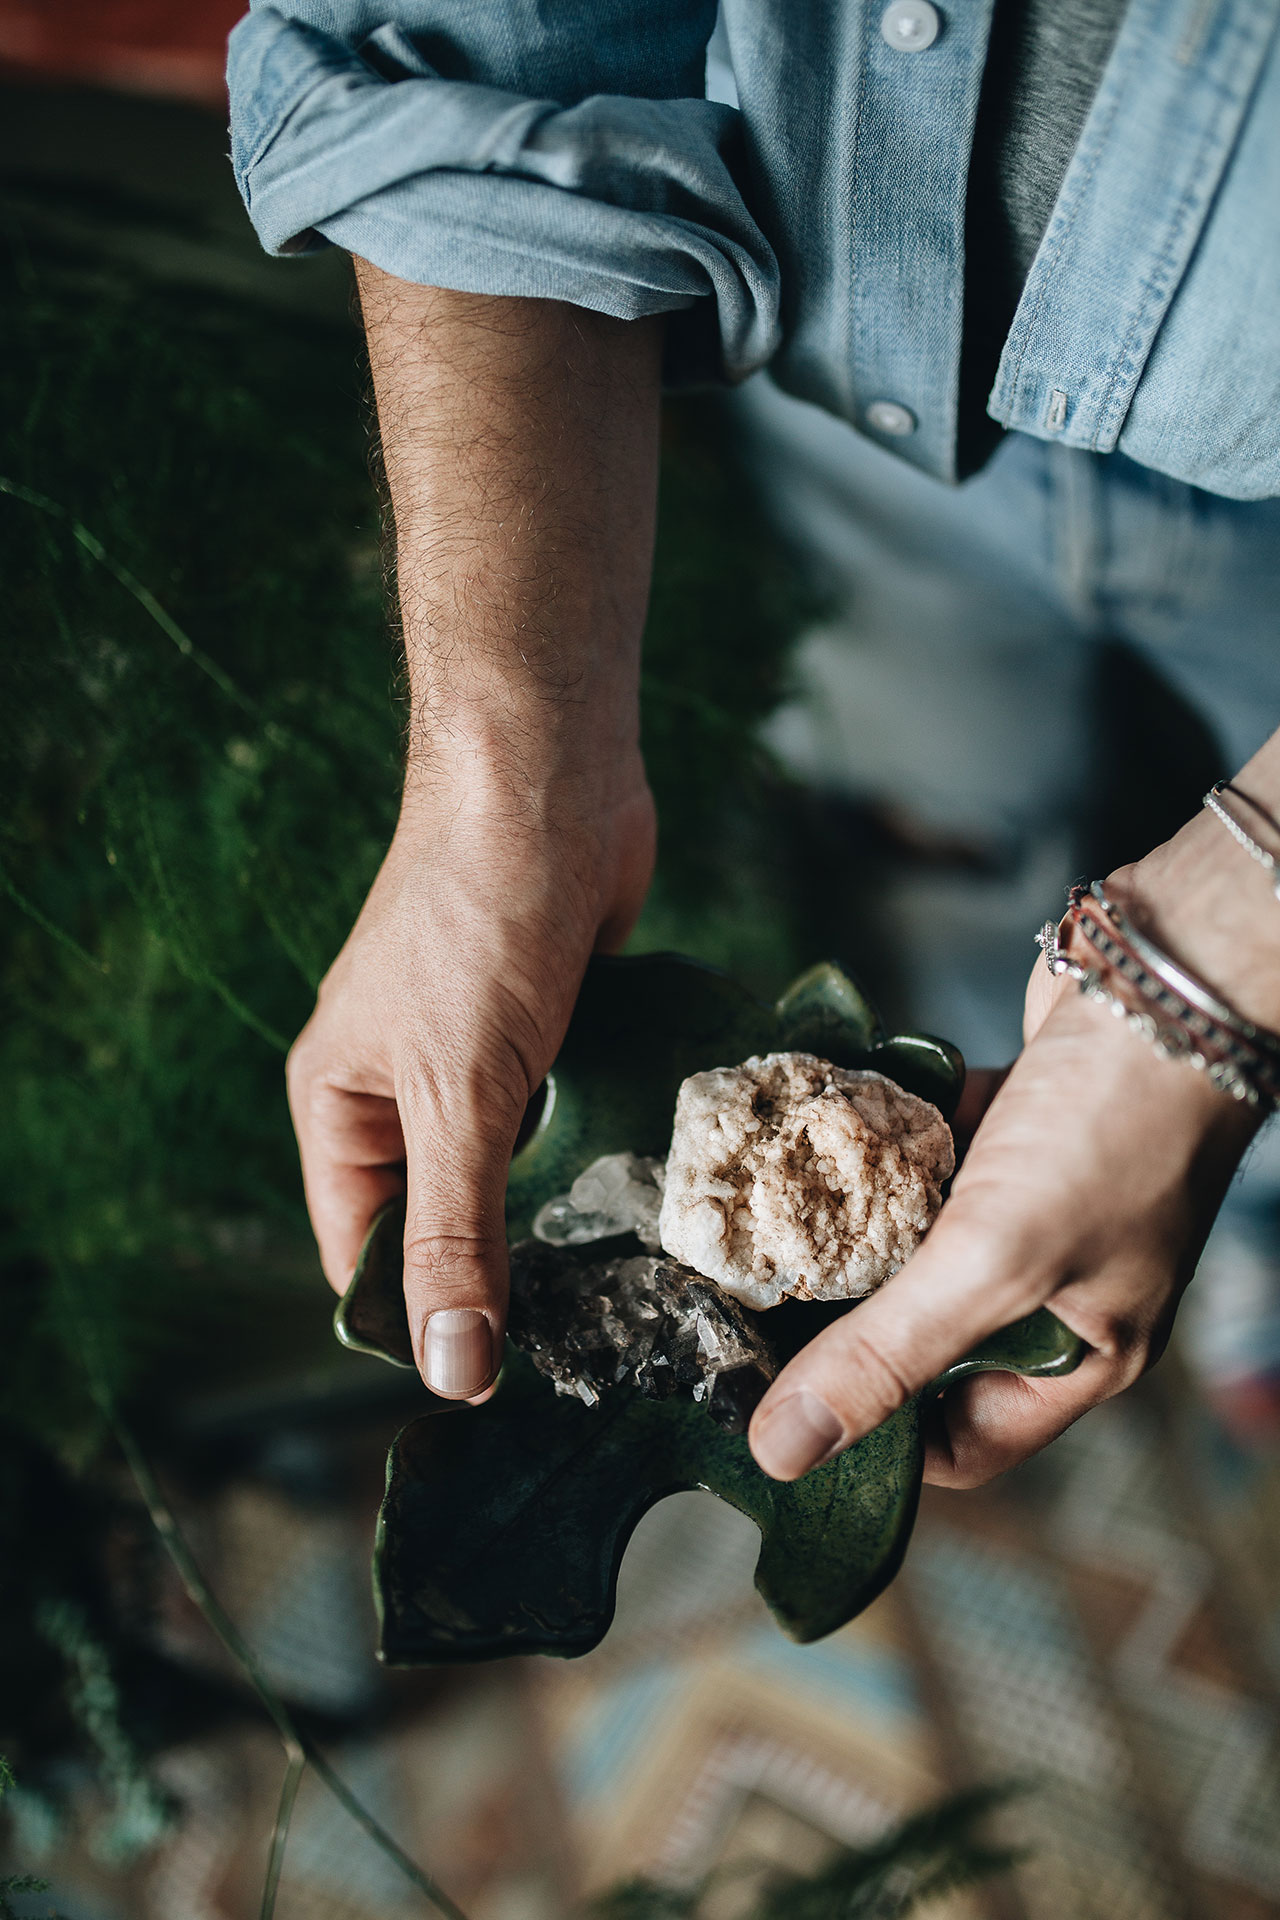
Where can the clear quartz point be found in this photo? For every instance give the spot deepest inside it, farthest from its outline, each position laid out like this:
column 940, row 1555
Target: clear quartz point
column 639, row 1320
column 619, row 1193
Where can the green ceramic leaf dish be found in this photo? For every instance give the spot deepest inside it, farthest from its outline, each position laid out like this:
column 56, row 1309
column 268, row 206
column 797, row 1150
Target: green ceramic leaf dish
column 503, row 1526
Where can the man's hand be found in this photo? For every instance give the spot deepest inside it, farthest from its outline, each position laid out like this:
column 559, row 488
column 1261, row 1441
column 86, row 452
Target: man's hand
column 520, row 446
column 1090, row 1186
column 437, row 1021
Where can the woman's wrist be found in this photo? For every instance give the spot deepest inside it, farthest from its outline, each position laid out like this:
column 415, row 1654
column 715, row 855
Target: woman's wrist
column 1211, row 908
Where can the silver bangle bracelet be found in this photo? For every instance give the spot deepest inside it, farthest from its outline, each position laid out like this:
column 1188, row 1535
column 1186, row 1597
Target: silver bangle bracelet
column 1252, row 847
column 1245, row 1069
column 1185, row 984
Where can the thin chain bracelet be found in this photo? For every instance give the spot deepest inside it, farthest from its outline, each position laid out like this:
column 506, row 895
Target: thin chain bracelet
column 1108, row 971
column 1252, row 847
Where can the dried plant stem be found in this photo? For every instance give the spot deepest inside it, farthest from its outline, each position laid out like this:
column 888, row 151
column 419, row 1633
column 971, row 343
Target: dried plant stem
column 272, row 730
column 46, row 925
column 132, row 585
column 296, row 1767
column 301, row 1749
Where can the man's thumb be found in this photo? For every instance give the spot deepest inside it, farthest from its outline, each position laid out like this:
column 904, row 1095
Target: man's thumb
column 455, row 1268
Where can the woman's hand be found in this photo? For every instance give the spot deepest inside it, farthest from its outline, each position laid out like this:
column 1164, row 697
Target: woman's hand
column 1090, row 1186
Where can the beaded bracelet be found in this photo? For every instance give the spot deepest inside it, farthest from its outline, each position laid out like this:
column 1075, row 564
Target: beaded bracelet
column 1170, row 974
column 1159, row 1000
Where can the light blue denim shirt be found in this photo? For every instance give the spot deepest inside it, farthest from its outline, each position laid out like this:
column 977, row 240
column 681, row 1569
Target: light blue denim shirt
column 812, row 216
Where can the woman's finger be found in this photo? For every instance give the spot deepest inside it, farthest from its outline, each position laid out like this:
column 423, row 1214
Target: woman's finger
column 993, row 1421
column 960, row 1286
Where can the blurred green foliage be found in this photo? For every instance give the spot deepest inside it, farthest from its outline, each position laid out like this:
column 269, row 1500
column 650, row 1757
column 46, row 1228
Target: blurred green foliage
column 200, row 716
column 200, row 722
column 932, row 1854
column 183, row 843
column 199, row 766
column 15, row 1883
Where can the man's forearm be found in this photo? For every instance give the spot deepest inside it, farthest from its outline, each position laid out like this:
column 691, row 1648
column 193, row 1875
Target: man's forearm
column 520, row 442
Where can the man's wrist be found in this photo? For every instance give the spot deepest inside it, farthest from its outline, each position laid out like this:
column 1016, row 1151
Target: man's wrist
column 525, row 759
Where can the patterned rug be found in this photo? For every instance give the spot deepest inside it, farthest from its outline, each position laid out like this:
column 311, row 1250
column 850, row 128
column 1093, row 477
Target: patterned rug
column 1102, row 1626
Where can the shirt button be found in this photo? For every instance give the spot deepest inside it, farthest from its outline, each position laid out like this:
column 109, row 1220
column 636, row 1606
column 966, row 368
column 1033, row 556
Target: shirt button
column 888, row 416
column 910, row 26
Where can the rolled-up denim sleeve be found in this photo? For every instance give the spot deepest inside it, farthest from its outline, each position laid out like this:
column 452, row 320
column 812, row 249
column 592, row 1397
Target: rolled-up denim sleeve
column 510, row 147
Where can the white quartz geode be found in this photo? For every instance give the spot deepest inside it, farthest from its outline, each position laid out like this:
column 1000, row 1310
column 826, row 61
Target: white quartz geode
column 619, row 1193
column 792, row 1178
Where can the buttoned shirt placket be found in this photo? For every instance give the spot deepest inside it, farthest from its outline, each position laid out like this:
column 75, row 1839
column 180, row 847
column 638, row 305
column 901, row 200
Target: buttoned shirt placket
column 1129, row 217
column 918, row 99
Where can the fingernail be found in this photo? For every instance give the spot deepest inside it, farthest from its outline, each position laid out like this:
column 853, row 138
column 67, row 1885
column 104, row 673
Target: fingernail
column 796, row 1435
column 458, row 1351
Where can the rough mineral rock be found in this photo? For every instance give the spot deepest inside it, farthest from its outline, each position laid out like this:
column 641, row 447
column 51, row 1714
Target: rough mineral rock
column 789, row 1177
column 619, row 1193
column 637, row 1319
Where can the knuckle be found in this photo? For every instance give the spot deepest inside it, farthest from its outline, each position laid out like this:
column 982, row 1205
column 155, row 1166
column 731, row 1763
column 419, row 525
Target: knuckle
column 309, row 1077
column 468, row 1091
column 298, row 1063
column 448, row 1262
column 317, row 1109
column 1127, row 1349
column 1121, row 1342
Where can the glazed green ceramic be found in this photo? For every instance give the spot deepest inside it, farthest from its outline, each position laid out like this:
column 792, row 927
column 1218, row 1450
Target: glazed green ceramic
column 503, row 1526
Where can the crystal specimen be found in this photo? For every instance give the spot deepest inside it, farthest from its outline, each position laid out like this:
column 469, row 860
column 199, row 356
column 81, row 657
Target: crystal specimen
column 636, row 1319
column 619, row 1193
column 791, row 1178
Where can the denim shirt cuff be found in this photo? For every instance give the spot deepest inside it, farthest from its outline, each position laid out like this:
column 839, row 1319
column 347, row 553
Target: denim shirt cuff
column 628, row 206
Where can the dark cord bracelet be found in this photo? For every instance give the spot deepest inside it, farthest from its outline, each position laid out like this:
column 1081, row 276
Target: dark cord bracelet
column 1116, row 966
